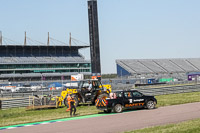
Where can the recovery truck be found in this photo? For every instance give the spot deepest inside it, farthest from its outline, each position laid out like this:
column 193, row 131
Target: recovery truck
column 80, row 94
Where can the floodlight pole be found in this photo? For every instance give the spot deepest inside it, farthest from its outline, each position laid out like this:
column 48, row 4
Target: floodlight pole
column 1, row 38
column 94, row 38
column 25, row 39
column 48, row 40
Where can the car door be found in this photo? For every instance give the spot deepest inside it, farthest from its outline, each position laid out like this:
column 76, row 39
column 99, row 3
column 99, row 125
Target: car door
column 128, row 99
column 138, row 99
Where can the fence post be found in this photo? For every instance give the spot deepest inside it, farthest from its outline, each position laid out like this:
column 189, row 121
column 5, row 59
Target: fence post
column 29, row 100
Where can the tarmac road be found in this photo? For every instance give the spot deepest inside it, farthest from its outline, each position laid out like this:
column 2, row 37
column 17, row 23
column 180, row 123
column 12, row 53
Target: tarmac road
column 118, row 122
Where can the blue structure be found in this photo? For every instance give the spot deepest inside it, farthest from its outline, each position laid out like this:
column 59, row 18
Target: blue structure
column 55, row 84
column 151, row 81
column 122, row 72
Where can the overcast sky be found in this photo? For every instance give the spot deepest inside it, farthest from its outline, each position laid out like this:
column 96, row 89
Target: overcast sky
column 129, row 29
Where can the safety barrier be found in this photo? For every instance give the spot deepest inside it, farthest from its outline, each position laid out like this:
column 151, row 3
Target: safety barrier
column 14, row 100
column 27, row 94
column 170, row 89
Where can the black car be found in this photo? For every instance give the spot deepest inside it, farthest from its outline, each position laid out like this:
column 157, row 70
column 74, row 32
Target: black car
column 130, row 99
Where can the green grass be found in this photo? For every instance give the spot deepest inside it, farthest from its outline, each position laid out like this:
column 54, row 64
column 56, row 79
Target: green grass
column 20, row 115
column 181, row 98
column 192, row 126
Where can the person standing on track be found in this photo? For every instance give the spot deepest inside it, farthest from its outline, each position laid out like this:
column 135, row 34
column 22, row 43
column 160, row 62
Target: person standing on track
column 73, row 108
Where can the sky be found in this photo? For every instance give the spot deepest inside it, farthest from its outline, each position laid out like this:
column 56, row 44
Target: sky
column 128, row 29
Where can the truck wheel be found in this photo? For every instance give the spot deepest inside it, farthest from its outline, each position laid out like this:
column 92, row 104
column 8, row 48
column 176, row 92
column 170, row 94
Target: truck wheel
column 150, row 105
column 66, row 103
column 118, row 108
column 76, row 102
column 107, row 111
column 103, row 96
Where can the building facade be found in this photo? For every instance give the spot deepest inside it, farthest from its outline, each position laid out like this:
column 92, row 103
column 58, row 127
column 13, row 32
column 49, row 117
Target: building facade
column 19, row 62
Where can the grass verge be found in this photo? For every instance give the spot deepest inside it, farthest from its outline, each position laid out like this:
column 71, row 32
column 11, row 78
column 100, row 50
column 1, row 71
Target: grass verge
column 192, row 126
column 20, row 115
column 175, row 99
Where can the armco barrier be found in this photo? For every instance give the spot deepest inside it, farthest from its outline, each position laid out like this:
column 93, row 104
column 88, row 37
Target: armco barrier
column 13, row 103
column 170, row 90
column 27, row 94
column 22, row 99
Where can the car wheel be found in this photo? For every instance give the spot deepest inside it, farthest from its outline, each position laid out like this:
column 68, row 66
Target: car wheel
column 118, row 108
column 150, row 105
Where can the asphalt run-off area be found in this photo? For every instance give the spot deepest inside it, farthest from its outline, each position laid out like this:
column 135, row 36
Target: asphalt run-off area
column 98, row 123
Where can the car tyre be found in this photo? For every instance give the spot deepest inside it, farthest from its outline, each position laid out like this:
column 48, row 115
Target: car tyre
column 118, row 108
column 150, row 104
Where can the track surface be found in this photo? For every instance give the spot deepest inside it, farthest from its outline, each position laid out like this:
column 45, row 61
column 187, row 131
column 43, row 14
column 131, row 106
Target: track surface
column 118, row 122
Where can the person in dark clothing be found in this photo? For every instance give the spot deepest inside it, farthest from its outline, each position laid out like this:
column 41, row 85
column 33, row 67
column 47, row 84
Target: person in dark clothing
column 73, row 108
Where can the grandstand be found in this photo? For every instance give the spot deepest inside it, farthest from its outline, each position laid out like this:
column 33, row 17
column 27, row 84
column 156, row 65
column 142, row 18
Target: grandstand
column 31, row 62
column 157, row 67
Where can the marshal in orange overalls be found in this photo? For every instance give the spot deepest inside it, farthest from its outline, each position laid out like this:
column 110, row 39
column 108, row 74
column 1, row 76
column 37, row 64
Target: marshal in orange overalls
column 69, row 99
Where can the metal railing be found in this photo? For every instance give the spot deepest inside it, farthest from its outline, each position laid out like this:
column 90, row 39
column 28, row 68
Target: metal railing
column 14, row 103
column 22, row 99
column 27, row 94
column 170, row 89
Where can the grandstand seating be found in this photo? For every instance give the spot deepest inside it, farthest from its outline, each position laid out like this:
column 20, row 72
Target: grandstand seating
column 168, row 65
column 149, row 66
column 41, row 59
column 184, row 64
column 195, row 62
column 39, row 74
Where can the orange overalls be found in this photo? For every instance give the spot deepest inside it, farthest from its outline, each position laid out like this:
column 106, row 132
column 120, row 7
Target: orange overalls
column 69, row 99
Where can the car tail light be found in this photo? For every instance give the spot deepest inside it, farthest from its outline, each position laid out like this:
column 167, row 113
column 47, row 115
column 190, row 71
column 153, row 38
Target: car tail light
column 106, row 102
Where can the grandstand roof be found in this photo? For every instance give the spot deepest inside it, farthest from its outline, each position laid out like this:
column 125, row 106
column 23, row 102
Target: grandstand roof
column 50, row 46
column 148, row 66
